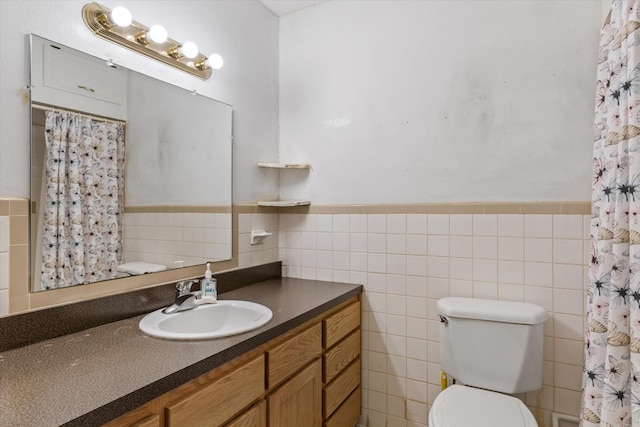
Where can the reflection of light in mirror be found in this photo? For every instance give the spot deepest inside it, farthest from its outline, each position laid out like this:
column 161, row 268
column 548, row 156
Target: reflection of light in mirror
column 337, row 123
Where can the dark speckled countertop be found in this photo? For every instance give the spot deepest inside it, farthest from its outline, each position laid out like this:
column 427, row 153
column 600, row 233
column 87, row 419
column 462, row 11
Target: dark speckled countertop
column 90, row 377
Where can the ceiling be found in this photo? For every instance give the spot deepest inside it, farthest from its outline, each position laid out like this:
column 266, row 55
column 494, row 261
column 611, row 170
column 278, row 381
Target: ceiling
column 284, row 7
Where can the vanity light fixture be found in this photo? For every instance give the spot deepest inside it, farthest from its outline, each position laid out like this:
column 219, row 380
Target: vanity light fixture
column 188, row 50
column 214, row 61
column 117, row 26
column 156, row 34
column 119, row 16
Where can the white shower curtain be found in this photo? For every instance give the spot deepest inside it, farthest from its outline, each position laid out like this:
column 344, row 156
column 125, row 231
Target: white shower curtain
column 611, row 392
column 84, row 199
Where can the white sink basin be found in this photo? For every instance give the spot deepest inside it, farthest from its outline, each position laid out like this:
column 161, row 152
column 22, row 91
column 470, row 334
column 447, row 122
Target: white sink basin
column 221, row 319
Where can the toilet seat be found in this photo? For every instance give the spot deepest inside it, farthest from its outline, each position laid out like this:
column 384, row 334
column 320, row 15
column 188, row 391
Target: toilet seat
column 463, row 406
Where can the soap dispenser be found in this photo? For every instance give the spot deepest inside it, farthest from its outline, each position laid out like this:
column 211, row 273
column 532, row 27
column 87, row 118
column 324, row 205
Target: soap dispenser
column 209, row 284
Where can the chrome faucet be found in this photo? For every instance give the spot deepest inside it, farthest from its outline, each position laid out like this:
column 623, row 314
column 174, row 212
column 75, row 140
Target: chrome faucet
column 185, row 299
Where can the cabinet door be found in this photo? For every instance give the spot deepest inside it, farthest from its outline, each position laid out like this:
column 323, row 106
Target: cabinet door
column 298, row 402
column 72, row 80
column 254, row 417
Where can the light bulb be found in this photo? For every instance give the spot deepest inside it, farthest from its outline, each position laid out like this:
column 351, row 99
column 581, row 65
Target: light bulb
column 214, row 61
column 120, row 16
column 157, row 34
column 189, row 50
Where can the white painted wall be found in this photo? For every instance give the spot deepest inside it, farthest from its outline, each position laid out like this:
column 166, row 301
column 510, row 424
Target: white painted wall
column 439, row 101
column 245, row 33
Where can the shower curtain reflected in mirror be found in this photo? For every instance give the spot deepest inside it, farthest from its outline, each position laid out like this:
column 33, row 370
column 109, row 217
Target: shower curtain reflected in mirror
column 611, row 393
column 83, row 199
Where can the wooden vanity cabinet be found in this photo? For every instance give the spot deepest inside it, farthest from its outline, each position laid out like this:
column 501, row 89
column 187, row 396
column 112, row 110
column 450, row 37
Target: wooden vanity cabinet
column 298, row 402
column 150, row 421
column 289, row 357
column 143, row 416
column 254, row 417
column 308, row 377
column 219, row 401
column 341, row 367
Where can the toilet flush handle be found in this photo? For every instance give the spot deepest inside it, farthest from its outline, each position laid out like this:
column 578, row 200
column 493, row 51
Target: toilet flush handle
column 443, row 319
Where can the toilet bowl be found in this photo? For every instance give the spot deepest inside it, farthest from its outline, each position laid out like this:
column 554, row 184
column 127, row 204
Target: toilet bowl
column 463, row 406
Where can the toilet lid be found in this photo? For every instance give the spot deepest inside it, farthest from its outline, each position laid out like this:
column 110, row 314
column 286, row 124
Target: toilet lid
column 462, row 406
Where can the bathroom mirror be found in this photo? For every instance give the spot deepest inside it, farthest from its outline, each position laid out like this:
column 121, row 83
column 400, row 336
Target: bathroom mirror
column 176, row 208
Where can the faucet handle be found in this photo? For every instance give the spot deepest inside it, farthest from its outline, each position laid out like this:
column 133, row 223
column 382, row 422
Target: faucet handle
column 184, row 287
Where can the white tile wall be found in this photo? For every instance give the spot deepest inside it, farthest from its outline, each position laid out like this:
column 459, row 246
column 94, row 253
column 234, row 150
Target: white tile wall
column 4, row 265
column 167, row 238
column 268, row 251
column 407, row 262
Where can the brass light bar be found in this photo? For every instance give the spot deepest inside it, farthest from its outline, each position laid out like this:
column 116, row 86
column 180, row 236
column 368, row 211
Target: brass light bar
column 133, row 37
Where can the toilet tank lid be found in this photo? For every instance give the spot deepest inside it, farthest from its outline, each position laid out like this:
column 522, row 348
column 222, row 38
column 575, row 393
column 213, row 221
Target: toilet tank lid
column 492, row 310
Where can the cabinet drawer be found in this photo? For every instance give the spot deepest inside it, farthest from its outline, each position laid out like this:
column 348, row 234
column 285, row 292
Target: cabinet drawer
column 254, row 417
column 217, row 402
column 150, row 421
column 340, row 388
column 287, row 358
column 340, row 324
column 143, row 416
column 348, row 414
column 340, row 356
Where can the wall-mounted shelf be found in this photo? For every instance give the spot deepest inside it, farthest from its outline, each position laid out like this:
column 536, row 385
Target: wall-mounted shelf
column 284, row 203
column 285, row 165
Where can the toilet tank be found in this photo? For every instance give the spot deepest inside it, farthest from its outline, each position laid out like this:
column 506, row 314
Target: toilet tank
column 495, row 345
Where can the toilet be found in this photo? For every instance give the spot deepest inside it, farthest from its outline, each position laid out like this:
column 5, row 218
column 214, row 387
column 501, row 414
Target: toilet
column 492, row 349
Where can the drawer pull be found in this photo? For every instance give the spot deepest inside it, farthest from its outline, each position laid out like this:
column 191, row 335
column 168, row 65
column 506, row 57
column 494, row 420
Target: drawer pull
column 88, row 89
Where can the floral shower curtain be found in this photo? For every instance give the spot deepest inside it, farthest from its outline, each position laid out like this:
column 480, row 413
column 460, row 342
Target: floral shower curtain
column 611, row 393
column 84, row 199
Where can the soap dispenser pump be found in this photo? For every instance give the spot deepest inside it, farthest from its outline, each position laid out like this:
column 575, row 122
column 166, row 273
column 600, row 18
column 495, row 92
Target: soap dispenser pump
column 209, row 284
